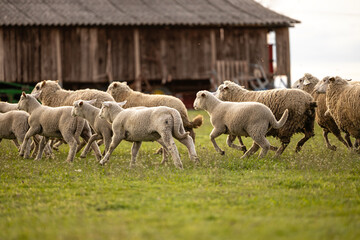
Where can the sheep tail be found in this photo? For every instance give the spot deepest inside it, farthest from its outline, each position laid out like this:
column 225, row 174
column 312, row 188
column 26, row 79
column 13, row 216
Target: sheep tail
column 278, row 124
column 79, row 128
column 178, row 130
column 195, row 123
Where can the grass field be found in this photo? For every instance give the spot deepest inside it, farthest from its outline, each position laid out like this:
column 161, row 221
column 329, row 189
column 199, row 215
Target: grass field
column 314, row 194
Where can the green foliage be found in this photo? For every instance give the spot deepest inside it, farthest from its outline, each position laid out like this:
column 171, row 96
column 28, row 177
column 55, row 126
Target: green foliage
column 314, row 194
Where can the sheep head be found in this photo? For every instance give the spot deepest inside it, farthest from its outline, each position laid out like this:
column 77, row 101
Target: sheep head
column 200, row 100
column 25, row 101
column 47, row 87
column 110, row 109
column 119, row 90
column 306, row 83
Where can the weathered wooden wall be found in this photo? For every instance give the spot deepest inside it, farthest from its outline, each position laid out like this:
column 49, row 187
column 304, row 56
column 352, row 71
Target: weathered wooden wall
column 92, row 54
column 283, row 53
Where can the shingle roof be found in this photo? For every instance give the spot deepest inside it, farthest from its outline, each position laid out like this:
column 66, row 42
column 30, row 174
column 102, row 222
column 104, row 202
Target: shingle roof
column 139, row 12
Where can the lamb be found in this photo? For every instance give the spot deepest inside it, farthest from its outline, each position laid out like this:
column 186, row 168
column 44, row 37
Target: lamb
column 239, row 119
column 54, row 122
column 6, row 107
column 51, row 94
column 102, row 128
column 140, row 124
column 342, row 100
column 326, row 122
column 14, row 125
column 120, row 91
column 301, row 107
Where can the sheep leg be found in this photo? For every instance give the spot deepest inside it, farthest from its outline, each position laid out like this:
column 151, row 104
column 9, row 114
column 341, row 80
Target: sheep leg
column 70, row 139
column 264, row 144
column 31, row 132
column 107, row 142
column 134, row 151
column 87, row 148
column 189, row 143
column 41, row 148
column 86, row 135
column 307, row 136
column 284, row 144
column 28, row 145
column 16, row 143
column 166, row 137
column 231, row 138
column 214, row 134
column 328, row 145
column 116, row 139
column 253, row 149
column 191, row 133
column 165, row 152
column 348, row 140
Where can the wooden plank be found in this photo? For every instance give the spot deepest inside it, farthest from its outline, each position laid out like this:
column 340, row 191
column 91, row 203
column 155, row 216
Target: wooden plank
column 92, row 54
column 57, row 37
column 213, row 48
column 283, row 53
column 2, row 67
column 137, row 62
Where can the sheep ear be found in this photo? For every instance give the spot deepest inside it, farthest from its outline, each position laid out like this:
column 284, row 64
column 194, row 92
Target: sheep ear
column 36, row 95
column 226, row 88
column 332, row 79
column 203, row 94
column 43, row 83
column 306, row 82
column 115, row 85
column 92, row 101
column 57, row 81
column 121, row 103
column 24, row 94
column 81, row 103
column 349, row 79
column 105, row 104
column 125, row 83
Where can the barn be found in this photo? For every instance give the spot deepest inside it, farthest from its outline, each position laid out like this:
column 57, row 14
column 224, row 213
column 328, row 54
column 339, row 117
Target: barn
column 175, row 46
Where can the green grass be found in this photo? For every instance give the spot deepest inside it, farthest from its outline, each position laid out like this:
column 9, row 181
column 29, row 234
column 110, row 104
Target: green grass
column 314, row 194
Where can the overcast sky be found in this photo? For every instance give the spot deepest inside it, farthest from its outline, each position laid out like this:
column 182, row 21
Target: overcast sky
column 327, row 41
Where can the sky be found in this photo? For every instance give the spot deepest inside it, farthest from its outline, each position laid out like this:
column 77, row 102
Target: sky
column 327, row 41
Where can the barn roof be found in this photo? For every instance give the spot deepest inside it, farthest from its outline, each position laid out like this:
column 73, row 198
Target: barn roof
column 139, row 13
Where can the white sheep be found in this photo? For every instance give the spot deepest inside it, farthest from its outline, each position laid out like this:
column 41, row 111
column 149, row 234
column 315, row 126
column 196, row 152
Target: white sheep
column 307, row 83
column 51, row 94
column 239, row 119
column 102, row 128
column 54, row 122
column 121, row 92
column 6, row 107
column 140, row 124
column 342, row 101
column 14, row 125
column 301, row 107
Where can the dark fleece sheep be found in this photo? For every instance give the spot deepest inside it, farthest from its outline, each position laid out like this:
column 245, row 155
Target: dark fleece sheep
column 307, row 83
column 300, row 104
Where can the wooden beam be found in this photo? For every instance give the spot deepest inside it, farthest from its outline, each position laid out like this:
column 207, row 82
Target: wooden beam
column 58, row 57
column 109, row 62
column 213, row 48
column 283, row 53
column 2, row 72
column 137, row 60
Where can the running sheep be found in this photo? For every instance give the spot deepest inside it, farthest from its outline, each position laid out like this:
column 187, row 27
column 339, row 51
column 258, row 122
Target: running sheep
column 307, row 83
column 6, row 107
column 54, row 122
column 140, row 124
column 120, row 91
column 342, row 101
column 301, row 107
column 14, row 125
column 239, row 119
column 102, row 128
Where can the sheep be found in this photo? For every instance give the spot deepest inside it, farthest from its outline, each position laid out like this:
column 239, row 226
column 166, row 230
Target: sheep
column 51, row 94
column 300, row 104
column 239, row 119
column 14, row 125
column 54, row 122
column 326, row 122
column 342, row 100
column 140, row 124
column 102, row 128
column 6, row 107
column 120, row 91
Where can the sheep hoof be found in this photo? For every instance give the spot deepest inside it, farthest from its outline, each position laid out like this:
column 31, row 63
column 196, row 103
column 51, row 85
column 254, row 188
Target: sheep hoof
column 82, row 156
column 243, row 149
column 102, row 162
column 332, row 147
column 159, row 151
column 222, row 152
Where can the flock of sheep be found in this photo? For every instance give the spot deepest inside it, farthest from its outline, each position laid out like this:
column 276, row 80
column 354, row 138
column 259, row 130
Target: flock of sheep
column 124, row 114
